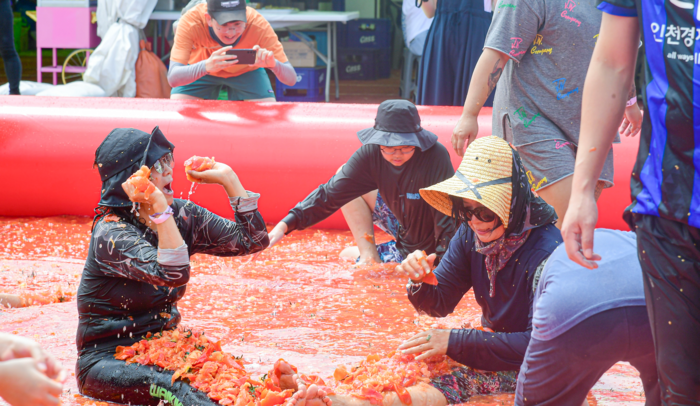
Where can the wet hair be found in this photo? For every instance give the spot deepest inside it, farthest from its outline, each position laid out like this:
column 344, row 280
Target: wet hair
column 124, row 213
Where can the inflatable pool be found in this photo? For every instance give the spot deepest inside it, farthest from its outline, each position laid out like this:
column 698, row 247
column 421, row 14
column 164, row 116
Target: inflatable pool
column 281, row 150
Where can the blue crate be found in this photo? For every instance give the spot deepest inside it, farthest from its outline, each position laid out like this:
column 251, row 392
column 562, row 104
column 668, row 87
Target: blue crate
column 358, row 64
column 310, row 86
column 369, row 33
column 385, row 63
column 338, row 5
column 341, row 30
column 321, row 38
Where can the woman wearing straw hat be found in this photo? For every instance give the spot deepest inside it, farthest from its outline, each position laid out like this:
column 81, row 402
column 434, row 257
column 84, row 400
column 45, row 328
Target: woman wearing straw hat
column 506, row 234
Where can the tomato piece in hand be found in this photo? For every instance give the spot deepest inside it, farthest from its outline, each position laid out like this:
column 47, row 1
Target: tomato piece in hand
column 198, row 164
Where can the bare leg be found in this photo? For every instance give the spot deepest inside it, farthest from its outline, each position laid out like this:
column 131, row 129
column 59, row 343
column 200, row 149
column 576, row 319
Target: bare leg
column 358, row 215
column 421, row 394
column 558, row 194
column 9, row 300
column 265, row 99
column 179, row 96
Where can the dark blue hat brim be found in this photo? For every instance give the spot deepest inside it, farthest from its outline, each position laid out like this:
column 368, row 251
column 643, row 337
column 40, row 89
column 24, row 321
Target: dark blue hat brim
column 422, row 139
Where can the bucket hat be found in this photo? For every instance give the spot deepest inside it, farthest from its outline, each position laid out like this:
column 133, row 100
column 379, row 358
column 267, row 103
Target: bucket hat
column 484, row 176
column 397, row 123
column 225, row 11
column 121, row 154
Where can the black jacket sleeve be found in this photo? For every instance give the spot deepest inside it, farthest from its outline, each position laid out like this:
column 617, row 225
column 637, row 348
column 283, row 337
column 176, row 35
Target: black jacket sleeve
column 454, row 280
column 215, row 235
column 122, row 252
column 352, row 181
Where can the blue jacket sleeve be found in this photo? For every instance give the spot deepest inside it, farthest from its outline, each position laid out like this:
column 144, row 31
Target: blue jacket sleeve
column 491, row 351
column 454, row 280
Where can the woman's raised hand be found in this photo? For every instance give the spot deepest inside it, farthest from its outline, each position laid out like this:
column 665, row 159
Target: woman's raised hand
column 219, row 174
column 135, row 196
column 417, row 265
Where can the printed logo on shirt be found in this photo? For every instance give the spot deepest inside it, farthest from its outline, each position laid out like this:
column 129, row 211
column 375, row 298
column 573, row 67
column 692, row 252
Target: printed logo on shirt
column 534, row 187
column 503, row 4
column 674, row 34
column 516, row 45
column 413, row 196
column 522, row 114
column 560, row 145
column 569, row 6
column 559, row 86
column 162, row 393
column 677, row 35
column 537, row 42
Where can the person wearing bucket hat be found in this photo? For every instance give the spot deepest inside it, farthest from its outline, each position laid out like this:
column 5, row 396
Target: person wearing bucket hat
column 380, row 183
column 204, row 59
column 506, row 233
column 138, row 262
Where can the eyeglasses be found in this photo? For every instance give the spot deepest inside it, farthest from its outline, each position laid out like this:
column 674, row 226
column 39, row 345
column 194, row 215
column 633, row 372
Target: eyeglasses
column 394, row 150
column 481, row 212
column 166, row 159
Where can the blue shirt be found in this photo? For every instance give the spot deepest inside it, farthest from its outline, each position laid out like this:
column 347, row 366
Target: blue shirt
column 508, row 313
column 568, row 293
column 666, row 178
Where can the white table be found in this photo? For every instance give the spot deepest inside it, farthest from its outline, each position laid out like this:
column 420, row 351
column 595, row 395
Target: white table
column 280, row 20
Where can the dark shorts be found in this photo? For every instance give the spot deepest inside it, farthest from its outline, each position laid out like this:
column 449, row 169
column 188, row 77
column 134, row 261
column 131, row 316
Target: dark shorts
column 248, row 86
column 548, row 162
column 670, row 259
column 102, row 377
column 463, row 383
column 383, row 218
column 561, row 371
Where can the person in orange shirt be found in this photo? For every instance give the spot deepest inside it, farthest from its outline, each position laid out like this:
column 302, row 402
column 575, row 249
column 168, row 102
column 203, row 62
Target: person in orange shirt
column 199, row 66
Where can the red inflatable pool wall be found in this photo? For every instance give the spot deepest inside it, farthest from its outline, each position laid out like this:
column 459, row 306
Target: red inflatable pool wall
column 281, row 150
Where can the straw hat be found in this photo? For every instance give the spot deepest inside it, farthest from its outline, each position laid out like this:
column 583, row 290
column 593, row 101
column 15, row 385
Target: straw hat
column 484, row 176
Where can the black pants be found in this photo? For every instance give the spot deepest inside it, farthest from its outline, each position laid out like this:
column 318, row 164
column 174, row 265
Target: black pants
column 561, row 371
column 13, row 66
column 670, row 256
column 102, row 377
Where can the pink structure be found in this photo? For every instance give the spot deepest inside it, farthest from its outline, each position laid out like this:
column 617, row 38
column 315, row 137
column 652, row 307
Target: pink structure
column 63, row 27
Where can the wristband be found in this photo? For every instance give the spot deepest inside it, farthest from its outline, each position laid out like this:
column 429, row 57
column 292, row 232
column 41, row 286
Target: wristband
column 631, row 102
column 413, row 287
column 159, row 218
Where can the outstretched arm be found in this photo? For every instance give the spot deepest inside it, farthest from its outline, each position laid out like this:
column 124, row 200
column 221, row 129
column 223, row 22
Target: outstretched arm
column 486, row 74
column 604, row 96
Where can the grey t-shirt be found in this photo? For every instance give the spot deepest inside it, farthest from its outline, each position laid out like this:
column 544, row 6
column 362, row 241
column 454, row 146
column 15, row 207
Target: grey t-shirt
column 550, row 43
column 568, row 293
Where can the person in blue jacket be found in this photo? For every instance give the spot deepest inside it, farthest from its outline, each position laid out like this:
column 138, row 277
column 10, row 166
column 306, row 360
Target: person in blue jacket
column 506, row 233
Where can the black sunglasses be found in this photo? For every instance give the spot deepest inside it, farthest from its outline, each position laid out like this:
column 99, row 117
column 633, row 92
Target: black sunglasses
column 481, row 212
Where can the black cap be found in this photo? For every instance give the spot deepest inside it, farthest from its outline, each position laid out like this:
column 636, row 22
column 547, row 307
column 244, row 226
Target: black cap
column 121, row 154
column 398, row 123
column 225, row 11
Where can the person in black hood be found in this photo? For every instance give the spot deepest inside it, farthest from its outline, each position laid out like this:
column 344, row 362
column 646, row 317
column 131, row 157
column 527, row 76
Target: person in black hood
column 138, row 262
column 379, row 184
